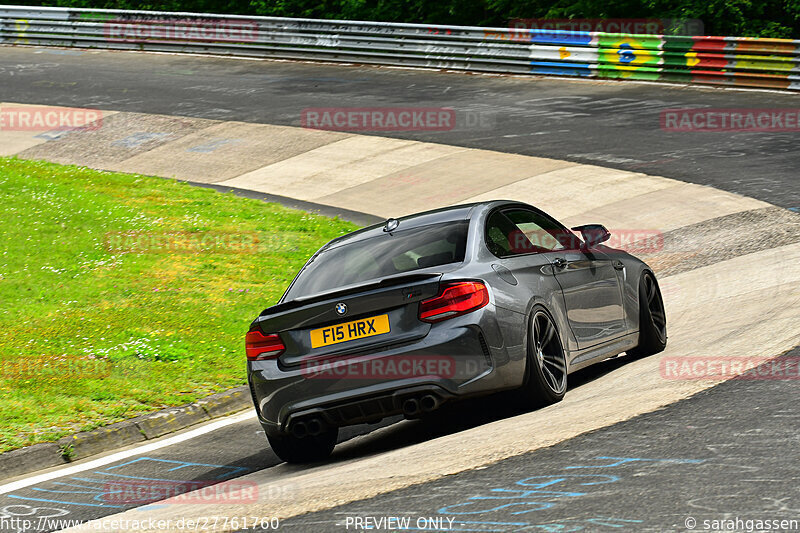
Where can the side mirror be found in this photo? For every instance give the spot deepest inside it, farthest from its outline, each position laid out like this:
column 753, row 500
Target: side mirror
column 593, row 234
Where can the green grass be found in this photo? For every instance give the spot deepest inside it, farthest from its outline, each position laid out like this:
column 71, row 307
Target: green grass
column 92, row 335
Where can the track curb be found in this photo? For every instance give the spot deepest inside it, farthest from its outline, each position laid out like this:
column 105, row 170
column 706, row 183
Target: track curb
column 114, row 436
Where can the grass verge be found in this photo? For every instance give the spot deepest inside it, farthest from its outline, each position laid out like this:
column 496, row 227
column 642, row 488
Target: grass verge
column 122, row 294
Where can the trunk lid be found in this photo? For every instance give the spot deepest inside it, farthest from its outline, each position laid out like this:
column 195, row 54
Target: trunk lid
column 378, row 314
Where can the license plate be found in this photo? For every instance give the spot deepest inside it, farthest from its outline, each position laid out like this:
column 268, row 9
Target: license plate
column 357, row 329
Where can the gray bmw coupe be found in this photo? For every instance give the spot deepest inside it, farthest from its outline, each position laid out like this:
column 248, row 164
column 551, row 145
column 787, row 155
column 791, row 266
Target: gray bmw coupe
column 403, row 316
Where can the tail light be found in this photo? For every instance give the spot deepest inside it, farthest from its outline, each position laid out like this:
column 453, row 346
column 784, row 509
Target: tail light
column 260, row 346
column 454, row 299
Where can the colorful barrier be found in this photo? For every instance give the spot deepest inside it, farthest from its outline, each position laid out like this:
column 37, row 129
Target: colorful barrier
column 735, row 61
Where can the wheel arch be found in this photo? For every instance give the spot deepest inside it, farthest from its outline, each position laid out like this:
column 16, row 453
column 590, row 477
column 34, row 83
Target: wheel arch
column 538, row 302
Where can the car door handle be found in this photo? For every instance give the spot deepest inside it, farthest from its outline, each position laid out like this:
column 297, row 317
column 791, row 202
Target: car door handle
column 559, row 262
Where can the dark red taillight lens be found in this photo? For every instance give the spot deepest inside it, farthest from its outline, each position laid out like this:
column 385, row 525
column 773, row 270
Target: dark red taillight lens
column 454, row 299
column 260, row 346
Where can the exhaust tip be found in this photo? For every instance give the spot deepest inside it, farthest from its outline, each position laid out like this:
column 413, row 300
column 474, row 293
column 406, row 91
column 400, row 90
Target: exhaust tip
column 410, row 406
column 299, row 430
column 429, row 402
column 314, row 426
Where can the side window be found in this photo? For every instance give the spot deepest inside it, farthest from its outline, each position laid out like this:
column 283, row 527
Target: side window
column 503, row 237
column 520, row 231
column 542, row 232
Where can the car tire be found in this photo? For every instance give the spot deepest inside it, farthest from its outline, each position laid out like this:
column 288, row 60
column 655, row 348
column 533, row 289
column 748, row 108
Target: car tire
column 306, row 449
column 652, row 318
column 546, row 365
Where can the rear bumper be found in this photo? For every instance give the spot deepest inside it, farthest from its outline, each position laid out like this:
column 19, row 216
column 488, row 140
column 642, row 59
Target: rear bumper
column 457, row 358
column 422, row 398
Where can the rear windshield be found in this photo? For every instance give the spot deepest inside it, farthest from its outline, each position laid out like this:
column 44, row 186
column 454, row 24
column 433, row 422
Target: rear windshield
column 381, row 256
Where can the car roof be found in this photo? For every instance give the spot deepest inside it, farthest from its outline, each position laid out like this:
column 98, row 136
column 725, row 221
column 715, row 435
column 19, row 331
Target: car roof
column 452, row 213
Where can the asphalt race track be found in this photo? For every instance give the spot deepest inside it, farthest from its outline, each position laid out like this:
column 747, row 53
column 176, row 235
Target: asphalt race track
column 712, row 457
column 601, row 123
column 728, row 452
column 220, row 455
column 229, row 452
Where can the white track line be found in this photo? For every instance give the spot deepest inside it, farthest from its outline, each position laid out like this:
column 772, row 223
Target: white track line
column 145, row 448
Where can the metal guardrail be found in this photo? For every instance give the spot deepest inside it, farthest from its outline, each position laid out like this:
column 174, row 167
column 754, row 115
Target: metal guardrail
column 736, row 61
